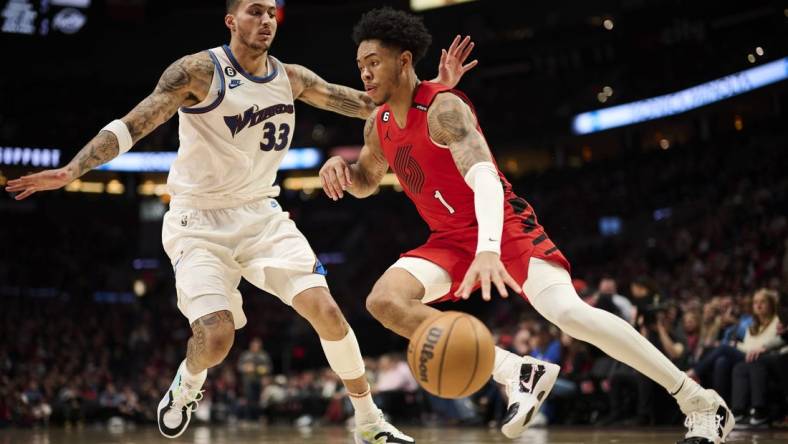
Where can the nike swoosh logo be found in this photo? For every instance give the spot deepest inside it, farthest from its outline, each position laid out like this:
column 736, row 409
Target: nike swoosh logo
column 235, row 85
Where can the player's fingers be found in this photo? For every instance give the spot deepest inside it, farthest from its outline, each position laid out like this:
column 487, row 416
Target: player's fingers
column 15, row 186
column 333, row 180
column 497, row 279
column 467, row 283
column 509, row 280
column 485, row 279
column 463, row 46
column 469, row 66
column 341, row 177
column 24, row 195
column 444, row 54
column 346, row 169
column 21, row 181
column 336, row 190
column 454, row 43
column 467, row 51
column 326, row 188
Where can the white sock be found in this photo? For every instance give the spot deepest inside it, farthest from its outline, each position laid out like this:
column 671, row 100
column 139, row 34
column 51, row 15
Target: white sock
column 366, row 410
column 506, row 364
column 190, row 380
column 686, row 395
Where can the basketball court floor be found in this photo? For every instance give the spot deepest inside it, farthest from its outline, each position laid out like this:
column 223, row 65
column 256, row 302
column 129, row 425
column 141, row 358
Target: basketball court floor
column 337, row 435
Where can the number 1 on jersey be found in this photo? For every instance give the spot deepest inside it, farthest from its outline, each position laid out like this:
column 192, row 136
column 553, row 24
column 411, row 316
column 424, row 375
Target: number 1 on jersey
column 439, row 196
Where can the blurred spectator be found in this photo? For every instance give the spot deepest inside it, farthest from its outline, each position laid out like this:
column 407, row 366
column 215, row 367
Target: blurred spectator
column 693, row 337
column 253, row 364
column 395, row 387
column 750, row 377
column 608, row 289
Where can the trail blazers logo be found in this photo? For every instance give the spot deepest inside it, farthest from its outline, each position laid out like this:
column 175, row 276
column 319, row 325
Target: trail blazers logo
column 254, row 116
column 408, row 169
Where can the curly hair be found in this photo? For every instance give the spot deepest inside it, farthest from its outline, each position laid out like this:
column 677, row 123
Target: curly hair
column 395, row 29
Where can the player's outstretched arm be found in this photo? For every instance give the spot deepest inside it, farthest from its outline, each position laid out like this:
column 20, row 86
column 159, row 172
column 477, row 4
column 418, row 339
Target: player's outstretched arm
column 312, row 89
column 452, row 123
column 362, row 178
column 183, row 83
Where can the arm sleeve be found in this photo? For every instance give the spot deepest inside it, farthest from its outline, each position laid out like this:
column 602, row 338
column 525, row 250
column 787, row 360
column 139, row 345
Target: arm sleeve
column 488, row 201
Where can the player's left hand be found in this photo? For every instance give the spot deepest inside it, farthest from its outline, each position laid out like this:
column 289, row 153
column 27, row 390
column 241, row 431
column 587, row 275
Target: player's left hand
column 451, row 68
column 487, row 268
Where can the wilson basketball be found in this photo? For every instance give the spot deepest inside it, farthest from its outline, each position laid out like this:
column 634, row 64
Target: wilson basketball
column 451, row 354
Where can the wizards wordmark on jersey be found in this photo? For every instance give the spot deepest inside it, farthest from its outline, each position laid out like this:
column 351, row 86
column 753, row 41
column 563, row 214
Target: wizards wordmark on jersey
column 254, row 116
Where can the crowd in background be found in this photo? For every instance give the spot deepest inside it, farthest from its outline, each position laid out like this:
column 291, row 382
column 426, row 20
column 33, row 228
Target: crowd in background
column 705, row 282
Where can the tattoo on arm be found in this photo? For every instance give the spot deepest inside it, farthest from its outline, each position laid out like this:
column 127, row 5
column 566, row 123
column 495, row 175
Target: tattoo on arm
column 310, row 88
column 100, row 150
column 452, row 123
column 371, row 166
column 180, row 85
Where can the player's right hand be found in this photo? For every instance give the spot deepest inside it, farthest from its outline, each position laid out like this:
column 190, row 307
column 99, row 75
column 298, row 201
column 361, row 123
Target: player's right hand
column 25, row 186
column 335, row 177
column 488, row 269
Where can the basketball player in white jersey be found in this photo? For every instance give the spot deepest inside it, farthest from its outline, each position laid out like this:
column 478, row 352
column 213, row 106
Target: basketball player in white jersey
column 235, row 107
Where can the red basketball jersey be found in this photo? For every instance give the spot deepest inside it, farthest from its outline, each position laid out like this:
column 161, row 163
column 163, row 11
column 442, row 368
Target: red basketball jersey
column 430, row 178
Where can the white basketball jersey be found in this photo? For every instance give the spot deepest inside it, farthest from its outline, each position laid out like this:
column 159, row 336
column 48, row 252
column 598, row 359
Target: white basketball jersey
column 232, row 143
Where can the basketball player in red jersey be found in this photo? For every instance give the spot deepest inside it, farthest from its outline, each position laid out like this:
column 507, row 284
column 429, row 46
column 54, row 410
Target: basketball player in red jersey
column 482, row 233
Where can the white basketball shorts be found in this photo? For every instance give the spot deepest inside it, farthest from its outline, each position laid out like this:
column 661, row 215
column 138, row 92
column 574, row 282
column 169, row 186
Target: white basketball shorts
column 211, row 250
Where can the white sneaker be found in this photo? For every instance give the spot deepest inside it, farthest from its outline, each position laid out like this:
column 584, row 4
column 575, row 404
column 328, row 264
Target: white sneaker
column 380, row 432
column 176, row 407
column 709, row 421
column 527, row 388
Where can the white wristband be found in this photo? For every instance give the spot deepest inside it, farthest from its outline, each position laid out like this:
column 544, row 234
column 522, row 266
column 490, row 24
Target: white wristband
column 488, row 202
column 121, row 132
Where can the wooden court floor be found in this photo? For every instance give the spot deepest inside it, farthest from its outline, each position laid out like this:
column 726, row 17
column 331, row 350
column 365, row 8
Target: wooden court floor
column 337, row 435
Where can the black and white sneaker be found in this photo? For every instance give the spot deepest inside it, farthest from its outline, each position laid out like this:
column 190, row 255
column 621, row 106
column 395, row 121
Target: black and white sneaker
column 176, row 407
column 527, row 389
column 710, row 422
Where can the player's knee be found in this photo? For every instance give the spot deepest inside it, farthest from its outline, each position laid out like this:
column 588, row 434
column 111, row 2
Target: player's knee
column 320, row 310
column 332, row 318
column 571, row 320
column 381, row 304
column 218, row 342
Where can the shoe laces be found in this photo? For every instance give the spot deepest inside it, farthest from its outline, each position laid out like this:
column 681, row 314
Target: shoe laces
column 703, row 423
column 187, row 397
column 387, row 426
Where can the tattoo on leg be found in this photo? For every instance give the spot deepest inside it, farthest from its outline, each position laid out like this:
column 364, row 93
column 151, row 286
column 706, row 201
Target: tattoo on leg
column 196, row 347
column 215, row 318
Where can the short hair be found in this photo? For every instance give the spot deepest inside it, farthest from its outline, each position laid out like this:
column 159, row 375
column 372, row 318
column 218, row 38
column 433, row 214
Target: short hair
column 396, row 29
column 232, row 5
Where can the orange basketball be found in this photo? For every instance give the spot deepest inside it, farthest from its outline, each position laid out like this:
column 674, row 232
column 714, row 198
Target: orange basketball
column 451, row 354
